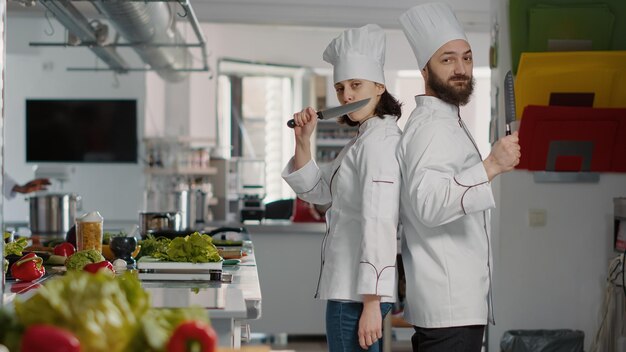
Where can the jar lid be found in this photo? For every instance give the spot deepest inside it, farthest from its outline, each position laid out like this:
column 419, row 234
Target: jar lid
column 93, row 216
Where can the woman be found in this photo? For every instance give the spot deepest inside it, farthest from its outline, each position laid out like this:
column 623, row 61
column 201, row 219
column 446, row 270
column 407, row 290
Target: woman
column 357, row 276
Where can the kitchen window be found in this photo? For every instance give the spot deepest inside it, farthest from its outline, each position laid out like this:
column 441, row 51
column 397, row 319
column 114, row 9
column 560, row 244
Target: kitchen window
column 255, row 101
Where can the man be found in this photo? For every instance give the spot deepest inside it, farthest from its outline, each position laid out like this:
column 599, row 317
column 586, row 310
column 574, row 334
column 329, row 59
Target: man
column 445, row 192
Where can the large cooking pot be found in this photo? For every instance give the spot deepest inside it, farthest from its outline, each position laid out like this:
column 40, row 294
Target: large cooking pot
column 52, row 215
column 150, row 222
column 193, row 205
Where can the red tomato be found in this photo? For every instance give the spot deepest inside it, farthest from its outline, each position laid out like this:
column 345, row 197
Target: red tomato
column 95, row 267
column 64, row 249
column 193, row 331
column 49, row 338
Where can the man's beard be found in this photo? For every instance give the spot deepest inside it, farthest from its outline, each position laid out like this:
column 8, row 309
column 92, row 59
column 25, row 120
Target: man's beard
column 449, row 93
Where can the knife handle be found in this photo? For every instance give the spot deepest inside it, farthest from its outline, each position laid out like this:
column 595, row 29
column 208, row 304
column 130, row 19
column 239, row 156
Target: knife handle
column 291, row 123
column 508, row 130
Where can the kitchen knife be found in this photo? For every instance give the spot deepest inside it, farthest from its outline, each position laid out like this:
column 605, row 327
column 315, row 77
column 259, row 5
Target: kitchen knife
column 509, row 101
column 336, row 111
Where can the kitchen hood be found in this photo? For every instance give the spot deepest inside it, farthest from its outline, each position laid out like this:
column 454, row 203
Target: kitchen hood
column 147, row 26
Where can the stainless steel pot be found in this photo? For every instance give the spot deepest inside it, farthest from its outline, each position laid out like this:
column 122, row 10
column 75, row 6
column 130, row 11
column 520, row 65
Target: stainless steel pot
column 193, row 206
column 159, row 221
column 52, row 215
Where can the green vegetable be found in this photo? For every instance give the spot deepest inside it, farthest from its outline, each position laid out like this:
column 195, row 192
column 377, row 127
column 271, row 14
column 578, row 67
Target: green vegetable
column 103, row 312
column 79, row 259
column 11, row 331
column 194, row 248
column 15, row 247
column 154, row 247
column 157, row 326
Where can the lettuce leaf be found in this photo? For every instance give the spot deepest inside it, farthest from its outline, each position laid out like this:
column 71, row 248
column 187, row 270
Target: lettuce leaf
column 14, row 247
column 154, row 247
column 157, row 326
column 78, row 260
column 103, row 312
column 194, row 248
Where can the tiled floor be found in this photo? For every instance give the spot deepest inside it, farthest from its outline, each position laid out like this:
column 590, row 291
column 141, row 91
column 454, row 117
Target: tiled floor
column 317, row 343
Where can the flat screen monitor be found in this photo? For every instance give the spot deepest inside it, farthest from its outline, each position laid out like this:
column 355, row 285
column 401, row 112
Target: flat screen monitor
column 85, row 130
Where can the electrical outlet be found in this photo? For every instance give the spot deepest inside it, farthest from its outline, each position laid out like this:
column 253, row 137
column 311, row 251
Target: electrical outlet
column 537, row 217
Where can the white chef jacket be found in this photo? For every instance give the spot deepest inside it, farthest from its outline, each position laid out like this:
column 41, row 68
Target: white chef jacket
column 444, row 202
column 359, row 248
column 9, row 183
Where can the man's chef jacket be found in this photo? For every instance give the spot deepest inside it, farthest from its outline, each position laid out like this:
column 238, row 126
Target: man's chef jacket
column 445, row 197
column 363, row 183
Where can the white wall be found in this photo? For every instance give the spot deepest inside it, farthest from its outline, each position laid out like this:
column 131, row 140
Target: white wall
column 548, row 277
column 40, row 72
column 300, row 46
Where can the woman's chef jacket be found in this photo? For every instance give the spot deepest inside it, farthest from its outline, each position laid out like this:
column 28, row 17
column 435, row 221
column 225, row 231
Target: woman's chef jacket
column 444, row 205
column 363, row 183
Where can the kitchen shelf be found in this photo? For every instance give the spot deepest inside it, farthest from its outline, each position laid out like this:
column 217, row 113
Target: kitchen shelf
column 191, row 171
column 186, row 140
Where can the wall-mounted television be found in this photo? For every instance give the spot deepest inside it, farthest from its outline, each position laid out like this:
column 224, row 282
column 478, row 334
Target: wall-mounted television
column 81, row 130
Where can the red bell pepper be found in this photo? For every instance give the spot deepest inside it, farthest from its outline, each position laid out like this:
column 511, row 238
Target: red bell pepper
column 95, row 267
column 49, row 338
column 192, row 331
column 64, row 249
column 28, row 268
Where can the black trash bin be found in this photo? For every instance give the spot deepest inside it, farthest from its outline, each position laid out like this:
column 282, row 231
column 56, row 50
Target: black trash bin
column 563, row 340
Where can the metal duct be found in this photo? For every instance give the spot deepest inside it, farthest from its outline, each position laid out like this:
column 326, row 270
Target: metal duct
column 77, row 24
column 150, row 23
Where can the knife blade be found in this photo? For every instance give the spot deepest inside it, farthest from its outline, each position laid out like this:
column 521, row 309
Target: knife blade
column 509, row 101
column 336, row 111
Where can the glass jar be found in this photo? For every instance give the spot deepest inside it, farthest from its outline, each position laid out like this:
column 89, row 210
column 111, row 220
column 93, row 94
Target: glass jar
column 89, row 230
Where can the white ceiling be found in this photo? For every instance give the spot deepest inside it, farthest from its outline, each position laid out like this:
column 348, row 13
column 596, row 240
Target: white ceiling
column 474, row 14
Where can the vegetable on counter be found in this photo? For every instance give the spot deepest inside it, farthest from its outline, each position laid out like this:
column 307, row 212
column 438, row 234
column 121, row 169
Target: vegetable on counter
column 190, row 333
column 155, row 247
column 28, row 268
column 49, row 338
column 157, row 327
column 14, row 247
column 64, row 249
column 78, row 260
column 194, row 248
column 95, row 267
column 104, row 313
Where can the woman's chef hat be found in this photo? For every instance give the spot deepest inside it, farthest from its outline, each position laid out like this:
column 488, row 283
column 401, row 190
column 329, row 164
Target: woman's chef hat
column 428, row 27
column 358, row 53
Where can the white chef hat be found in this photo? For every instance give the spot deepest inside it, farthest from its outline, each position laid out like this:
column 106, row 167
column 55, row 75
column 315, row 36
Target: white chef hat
column 358, row 53
column 428, row 27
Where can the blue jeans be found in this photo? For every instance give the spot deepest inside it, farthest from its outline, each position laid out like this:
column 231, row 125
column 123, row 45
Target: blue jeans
column 342, row 326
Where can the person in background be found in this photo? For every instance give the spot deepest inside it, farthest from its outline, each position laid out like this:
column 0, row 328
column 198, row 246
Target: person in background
column 357, row 275
column 11, row 187
column 446, row 192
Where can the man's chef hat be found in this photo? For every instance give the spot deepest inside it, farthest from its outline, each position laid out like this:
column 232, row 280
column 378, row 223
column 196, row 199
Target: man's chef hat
column 358, row 53
column 428, row 27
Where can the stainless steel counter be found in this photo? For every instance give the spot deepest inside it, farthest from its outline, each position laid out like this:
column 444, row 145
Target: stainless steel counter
column 275, row 226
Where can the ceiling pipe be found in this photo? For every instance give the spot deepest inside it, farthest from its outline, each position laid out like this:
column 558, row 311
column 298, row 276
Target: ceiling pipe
column 79, row 26
column 145, row 23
